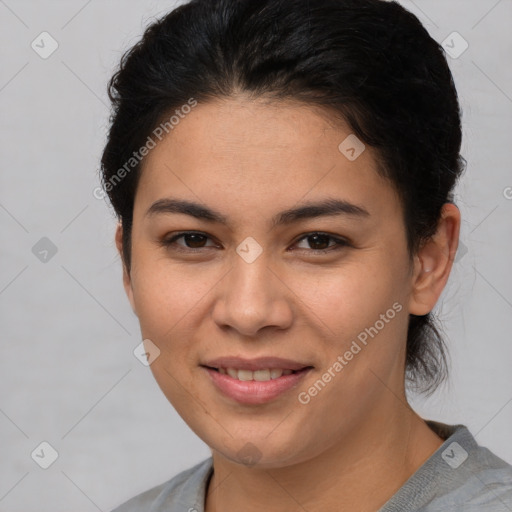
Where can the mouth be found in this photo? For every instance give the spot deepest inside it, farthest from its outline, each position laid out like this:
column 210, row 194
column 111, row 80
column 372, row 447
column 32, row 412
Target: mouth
column 262, row 375
column 254, row 387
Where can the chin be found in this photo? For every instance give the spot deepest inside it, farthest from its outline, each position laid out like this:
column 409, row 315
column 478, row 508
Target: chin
column 260, row 454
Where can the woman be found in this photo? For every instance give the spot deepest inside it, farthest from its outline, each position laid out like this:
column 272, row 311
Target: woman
column 283, row 175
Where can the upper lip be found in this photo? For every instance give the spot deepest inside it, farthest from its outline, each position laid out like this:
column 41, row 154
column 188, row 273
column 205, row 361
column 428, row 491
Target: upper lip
column 259, row 363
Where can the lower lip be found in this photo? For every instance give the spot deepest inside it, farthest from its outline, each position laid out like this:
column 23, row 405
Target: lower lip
column 253, row 391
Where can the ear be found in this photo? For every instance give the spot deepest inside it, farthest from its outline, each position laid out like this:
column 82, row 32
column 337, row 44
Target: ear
column 127, row 282
column 433, row 262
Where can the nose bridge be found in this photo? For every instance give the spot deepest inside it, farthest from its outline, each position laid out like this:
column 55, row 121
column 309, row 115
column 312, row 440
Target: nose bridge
column 250, row 280
column 251, row 297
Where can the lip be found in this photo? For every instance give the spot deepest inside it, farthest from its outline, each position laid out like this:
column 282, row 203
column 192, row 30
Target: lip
column 255, row 392
column 259, row 363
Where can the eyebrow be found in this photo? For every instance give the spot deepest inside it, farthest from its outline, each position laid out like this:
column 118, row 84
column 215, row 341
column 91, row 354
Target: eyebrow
column 329, row 207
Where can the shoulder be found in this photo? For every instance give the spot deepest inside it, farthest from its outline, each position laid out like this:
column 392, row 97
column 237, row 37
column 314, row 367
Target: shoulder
column 482, row 482
column 461, row 476
column 186, row 489
column 470, row 477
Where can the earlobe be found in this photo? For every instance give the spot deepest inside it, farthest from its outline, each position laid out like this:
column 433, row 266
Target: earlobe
column 433, row 262
column 127, row 281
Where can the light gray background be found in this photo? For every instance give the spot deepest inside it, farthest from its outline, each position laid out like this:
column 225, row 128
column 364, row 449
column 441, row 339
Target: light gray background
column 68, row 374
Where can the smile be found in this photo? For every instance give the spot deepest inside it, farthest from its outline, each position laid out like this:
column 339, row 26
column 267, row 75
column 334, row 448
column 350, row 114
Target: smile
column 259, row 375
column 255, row 387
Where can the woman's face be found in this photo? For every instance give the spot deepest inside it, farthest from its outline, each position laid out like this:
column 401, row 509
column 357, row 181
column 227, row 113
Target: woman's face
column 254, row 283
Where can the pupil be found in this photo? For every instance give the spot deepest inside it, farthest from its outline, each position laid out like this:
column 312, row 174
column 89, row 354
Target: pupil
column 325, row 239
column 199, row 239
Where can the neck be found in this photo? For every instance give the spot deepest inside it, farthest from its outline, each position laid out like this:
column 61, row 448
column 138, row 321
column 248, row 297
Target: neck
column 360, row 472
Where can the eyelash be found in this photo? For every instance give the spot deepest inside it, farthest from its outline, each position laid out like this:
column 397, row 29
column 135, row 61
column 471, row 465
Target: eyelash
column 340, row 243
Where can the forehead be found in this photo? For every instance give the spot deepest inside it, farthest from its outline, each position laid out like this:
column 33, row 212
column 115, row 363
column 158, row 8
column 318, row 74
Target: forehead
column 261, row 154
column 238, row 128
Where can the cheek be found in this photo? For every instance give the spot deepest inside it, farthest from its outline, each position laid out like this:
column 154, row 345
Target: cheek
column 351, row 297
column 362, row 306
column 361, row 309
column 169, row 304
column 163, row 292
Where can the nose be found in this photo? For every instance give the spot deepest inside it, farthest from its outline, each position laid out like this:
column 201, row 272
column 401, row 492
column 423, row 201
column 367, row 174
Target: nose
column 251, row 297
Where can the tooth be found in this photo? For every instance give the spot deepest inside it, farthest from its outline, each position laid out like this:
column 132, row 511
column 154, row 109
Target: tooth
column 275, row 373
column 232, row 373
column 245, row 375
column 262, row 375
column 258, row 375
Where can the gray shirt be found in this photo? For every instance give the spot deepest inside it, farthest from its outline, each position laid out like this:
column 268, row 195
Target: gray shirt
column 461, row 476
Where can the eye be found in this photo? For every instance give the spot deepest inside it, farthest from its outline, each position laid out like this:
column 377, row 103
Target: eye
column 192, row 240
column 320, row 242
